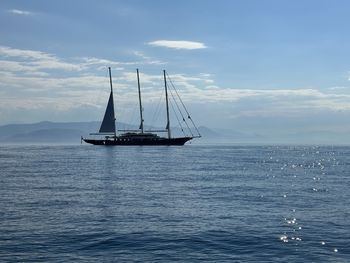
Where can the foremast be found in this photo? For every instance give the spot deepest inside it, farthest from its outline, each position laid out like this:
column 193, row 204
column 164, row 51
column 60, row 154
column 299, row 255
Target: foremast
column 167, row 106
column 108, row 122
column 110, row 81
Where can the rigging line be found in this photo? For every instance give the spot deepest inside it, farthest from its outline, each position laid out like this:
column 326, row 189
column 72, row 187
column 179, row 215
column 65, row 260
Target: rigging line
column 183, row 118
column 183, row 105
column 172, row 106
column 188, row 115
column 157, row 110
column 178, row 108
column 177, row 105
column 133, row 117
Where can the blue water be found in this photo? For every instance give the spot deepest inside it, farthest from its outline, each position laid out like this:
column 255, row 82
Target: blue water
column 166, row 204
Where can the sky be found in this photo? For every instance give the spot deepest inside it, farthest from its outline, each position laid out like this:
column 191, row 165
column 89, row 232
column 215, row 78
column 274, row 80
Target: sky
column 264, row 67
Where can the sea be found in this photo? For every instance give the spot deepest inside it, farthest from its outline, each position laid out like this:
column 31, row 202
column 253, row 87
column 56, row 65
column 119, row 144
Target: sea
column 192, row 203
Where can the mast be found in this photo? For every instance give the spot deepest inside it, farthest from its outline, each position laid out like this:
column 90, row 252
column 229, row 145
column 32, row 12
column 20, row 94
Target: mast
column 110, row 81
column 110, row 78
column 167, row 105
column 108, row 122
column 138, row 85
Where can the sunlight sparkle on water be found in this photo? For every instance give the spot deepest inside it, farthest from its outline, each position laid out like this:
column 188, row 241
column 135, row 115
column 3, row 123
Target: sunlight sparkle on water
column 284, row 239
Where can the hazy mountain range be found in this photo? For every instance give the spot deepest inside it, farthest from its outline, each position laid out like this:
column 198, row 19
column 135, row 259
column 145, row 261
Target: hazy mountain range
column 70, row 132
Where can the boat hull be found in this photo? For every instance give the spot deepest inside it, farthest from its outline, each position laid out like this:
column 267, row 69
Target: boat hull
column 130, row 142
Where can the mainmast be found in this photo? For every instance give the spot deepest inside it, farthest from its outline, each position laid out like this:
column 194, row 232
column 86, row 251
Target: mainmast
column 138, row 85
column 167, row 106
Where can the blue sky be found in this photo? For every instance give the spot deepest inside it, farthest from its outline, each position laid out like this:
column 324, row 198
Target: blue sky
column 254, row 66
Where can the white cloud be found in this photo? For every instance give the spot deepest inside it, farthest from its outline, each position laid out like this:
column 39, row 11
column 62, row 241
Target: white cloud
column 36, row 60
column 23, row 53
column 339, row 88
column 184, row 81
column 26, row 80
column 89, row 61
column 141, row 54
column 20, row 12
column 55, row 63
column 38, row 80
column 14, row 66
column 144, row 78
column 178, row 44
column 147, row 59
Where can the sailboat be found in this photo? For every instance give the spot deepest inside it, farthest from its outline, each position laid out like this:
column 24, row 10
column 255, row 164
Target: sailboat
column 141, row 136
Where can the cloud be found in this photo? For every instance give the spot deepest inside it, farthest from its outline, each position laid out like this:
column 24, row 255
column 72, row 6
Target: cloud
column 148, row 59
column 36, row 60
column 20, row 12
column 39, row 80
column 90, row 61
column 23, row 53
column 287, row 98
column 339, row 88
column 178, row 44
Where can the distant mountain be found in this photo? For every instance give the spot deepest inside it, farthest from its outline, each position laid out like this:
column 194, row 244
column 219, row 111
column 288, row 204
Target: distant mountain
column 70, row 132
column 228, row 136
column 231, row 134
column 47, row 136
column 208, row 133
column 13, row 130
column 42, row 132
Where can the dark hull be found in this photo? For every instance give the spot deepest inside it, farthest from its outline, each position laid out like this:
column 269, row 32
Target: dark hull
column 129, row 142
